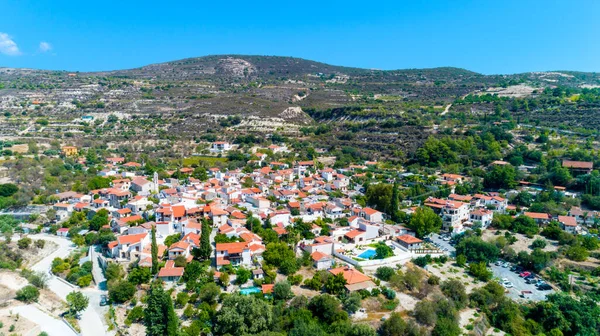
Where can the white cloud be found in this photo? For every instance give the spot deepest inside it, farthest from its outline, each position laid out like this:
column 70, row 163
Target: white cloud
column 8, row 46
column 45, row 46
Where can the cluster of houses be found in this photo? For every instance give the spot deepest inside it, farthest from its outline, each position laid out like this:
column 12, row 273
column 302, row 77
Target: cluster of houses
column 275, row 193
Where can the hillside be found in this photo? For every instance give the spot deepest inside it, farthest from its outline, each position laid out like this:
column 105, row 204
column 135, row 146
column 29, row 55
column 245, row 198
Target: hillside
column 226, row 96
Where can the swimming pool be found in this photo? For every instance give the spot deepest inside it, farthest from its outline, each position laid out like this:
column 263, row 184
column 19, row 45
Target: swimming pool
column 368, row 254
column 250, row 290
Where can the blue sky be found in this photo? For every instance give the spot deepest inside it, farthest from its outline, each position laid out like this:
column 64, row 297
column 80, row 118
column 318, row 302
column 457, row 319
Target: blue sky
column 486, row 36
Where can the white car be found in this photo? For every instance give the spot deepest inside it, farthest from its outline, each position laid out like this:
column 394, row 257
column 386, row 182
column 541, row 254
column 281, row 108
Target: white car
column 506, row 264
column 507, row 284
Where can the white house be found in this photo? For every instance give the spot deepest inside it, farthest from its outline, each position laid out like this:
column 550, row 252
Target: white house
column 220, row 146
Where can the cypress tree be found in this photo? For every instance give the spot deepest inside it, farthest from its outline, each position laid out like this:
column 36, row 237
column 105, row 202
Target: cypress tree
column 205, row 248
column 154, row 251
column 394, row 204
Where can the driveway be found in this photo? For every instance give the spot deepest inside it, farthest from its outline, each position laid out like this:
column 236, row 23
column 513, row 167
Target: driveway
column 91, row 319
column 519, row 284
column 47, row 323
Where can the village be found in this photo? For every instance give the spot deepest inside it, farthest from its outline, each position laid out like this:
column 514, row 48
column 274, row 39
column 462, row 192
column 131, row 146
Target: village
column 256, row 220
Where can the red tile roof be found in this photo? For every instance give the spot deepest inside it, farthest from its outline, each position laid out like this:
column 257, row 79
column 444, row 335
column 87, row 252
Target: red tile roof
column 408, row 239
column 351, row 275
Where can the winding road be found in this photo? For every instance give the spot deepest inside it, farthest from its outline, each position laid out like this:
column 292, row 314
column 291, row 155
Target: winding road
column 91, row 319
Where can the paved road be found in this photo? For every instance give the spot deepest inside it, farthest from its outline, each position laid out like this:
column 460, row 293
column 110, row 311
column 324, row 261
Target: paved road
column 91, row 319
column 47, row 323
column 519, row 284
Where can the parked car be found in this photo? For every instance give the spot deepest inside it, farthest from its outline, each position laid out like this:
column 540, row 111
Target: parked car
column 499, row 263
column 507, row 284
column 531, row 280
column 544, row 287
column 506, row 265
column 524, row 274
column 103, row 300
column 519, row 269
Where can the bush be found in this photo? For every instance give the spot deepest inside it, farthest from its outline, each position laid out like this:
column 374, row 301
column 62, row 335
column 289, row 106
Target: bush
column 480, row 271
column 422, row 261
column 389, row 293
column 24, row 243
column 384, row 273
column 295, row 280
column 28, row 294
column 433, row 280
column 84, row 281
column 538, row 243
column 135, row 315
column 121, row 292
column 577, row 253
column 461, row 260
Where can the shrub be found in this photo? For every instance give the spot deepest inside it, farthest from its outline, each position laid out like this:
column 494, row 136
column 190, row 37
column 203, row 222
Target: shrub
column 384, row 273
column 389, row 293
column 433, row 280
column 538, row 243
column 24, row 243
column 121, row 292
column 28, row 294
column 135, row 315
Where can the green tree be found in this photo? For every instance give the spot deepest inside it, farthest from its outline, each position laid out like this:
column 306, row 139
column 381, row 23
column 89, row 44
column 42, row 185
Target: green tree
column 99, row 220
column 326, row 308
column 242, row 276
column 139, row 275
column 424, row 221
column 480, row 271
column 121, row 291
column 395, row 203
column 455, row 290
column 384, row 273
column 393, row 326
column 159, row 315
column 383, row 251
column 446, row 327
column 475, row 249
column 379, row 196
column 154, row 251
column 77, row 302
column 98, row 182
column 335, row 284
column 352, row 303
column 501, row 177
column 205, row 249
column 282, row 291
column 242, row 315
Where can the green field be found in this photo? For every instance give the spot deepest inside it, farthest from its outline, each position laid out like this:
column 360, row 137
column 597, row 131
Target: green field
column 195, row 160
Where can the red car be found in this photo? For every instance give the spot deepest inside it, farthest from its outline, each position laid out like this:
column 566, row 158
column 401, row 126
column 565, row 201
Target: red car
column 525, row 274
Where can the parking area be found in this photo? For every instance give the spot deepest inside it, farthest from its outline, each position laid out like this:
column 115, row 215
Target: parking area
column 519, row 284
column 444, row 245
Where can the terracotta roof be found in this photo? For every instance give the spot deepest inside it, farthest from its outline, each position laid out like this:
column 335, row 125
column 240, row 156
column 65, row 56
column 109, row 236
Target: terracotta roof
column 351, row 275
column 316, row 256
column 131, row 239
column 267, row 289
column 409, row 239
column 354, row 233
column 577, row 164
column 170, row 270
column 567, row 220
column 178, row 210
column 238, row 247
column 369, row 211
column 537, row 215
